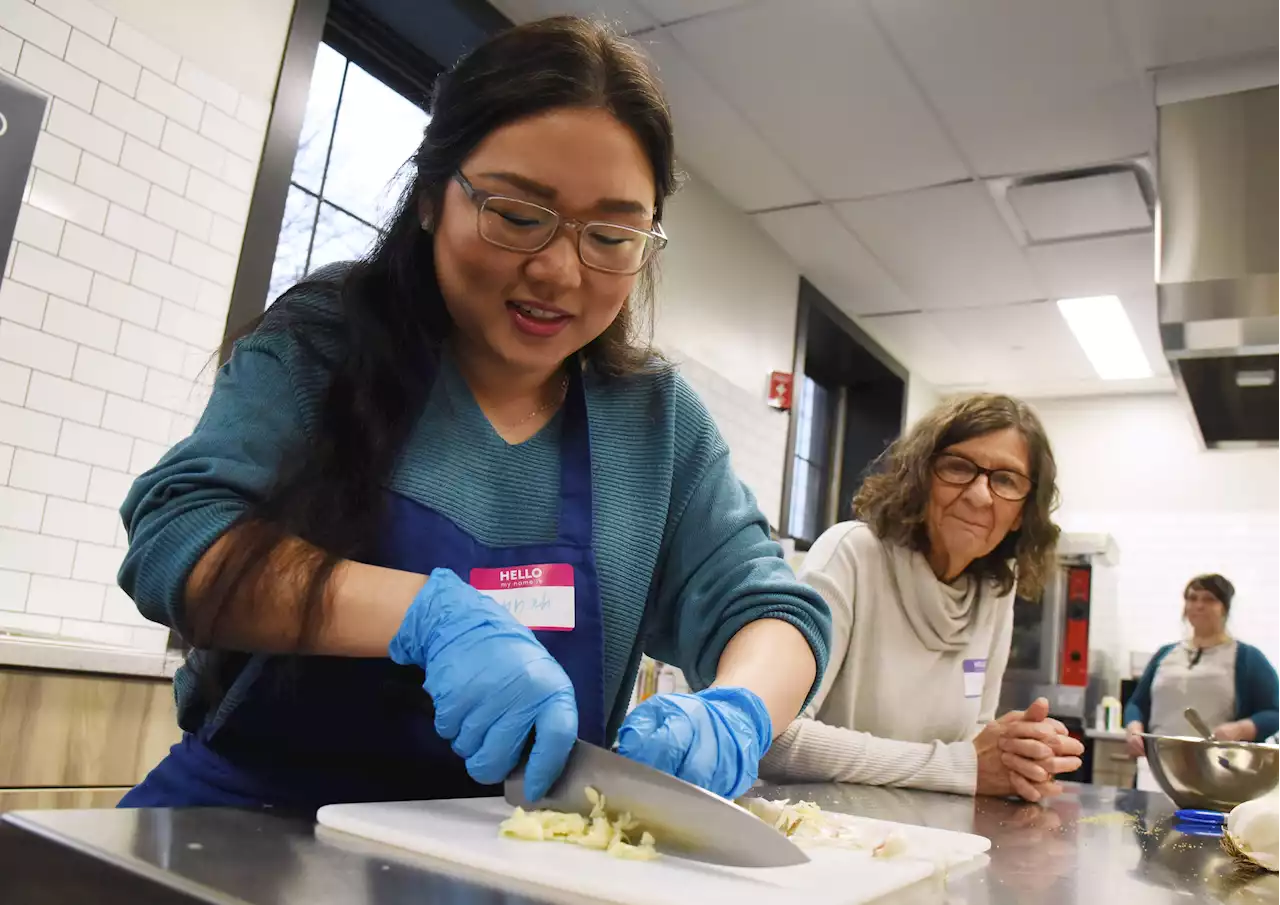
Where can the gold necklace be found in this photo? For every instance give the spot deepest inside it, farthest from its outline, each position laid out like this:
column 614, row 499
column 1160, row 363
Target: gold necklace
column 559, row 398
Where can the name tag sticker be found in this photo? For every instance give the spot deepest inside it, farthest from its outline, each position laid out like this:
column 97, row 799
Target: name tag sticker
column 975, row 676
column 540, row 596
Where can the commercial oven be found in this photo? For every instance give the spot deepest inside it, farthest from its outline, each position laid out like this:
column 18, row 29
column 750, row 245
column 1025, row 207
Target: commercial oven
column 1064, row 645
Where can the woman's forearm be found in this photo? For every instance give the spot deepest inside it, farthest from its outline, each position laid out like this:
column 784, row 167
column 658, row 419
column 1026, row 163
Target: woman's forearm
column 811, row 751
column 357, row 615
column 773, row 659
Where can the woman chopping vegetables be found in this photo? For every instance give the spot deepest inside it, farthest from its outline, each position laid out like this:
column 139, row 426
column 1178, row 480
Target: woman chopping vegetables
column 441, row 500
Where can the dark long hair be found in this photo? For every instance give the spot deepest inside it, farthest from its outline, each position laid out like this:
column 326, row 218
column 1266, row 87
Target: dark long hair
column 391, row 319
column 894, row 498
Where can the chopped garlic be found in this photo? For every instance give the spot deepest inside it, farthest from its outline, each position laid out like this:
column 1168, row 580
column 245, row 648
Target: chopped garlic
column 595, row 832
column 805, row 823
column 893, row 845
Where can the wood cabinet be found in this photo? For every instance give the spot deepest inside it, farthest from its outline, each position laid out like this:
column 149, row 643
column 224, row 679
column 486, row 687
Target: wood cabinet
column 48, row 799
column 79, row 739
column 1112, row 764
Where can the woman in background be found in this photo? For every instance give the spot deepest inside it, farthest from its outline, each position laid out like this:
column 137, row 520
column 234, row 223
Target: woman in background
column 1230, row 683
column 955, row 514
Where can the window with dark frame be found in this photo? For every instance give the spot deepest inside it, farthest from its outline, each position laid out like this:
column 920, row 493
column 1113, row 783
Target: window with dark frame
column 349, row 171
column 812, row 465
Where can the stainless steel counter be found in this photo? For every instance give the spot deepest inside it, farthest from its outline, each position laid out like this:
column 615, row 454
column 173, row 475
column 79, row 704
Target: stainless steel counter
column 1094, row 845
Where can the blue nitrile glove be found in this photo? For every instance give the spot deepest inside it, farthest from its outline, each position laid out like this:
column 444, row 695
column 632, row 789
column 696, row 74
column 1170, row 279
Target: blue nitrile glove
column 713, row 739
column 491, row 683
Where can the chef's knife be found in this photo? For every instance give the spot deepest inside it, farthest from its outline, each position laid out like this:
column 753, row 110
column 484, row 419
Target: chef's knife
column 684, row 819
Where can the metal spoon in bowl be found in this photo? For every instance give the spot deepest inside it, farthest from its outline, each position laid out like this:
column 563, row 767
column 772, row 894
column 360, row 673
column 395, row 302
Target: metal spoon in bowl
column 1199, row 725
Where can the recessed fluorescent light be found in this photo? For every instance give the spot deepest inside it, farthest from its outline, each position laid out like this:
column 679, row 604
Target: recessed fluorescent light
column 1107, row 337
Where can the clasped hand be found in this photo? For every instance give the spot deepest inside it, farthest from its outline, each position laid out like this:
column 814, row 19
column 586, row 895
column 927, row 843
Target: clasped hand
column 1021, row 753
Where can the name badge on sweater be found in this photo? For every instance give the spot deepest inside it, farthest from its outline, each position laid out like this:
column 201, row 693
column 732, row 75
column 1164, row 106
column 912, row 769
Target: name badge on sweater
column 975, row 676
column 540, row 596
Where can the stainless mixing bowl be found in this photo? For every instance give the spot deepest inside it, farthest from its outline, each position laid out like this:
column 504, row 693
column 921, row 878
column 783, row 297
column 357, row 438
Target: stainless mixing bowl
column 1197, row 773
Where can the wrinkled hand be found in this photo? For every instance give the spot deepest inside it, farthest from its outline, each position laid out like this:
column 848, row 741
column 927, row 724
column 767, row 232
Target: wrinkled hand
column 713, row 739
column 1021, row 753
column 1135, row 744
column 1238, row 731
column 491, row 683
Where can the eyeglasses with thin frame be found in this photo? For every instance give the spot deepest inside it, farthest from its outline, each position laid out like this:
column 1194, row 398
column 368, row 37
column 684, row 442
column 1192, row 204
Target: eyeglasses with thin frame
column 956, row 470
column 523, row 226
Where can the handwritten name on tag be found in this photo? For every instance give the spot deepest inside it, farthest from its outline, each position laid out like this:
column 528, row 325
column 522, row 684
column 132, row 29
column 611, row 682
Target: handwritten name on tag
column 540, row 596
column 975, row 677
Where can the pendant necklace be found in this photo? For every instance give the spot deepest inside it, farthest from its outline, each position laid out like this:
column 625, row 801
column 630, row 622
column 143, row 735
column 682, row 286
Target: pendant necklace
column 559, row 398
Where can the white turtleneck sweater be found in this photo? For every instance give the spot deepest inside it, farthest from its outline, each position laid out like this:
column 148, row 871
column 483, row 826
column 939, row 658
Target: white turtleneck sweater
column 905, row 692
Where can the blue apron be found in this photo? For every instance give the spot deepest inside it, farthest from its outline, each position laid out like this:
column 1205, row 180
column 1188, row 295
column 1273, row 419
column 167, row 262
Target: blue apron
column 321, row 730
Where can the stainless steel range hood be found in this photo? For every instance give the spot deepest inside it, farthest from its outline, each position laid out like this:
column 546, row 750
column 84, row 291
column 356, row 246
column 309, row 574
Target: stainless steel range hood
column 1217, row 283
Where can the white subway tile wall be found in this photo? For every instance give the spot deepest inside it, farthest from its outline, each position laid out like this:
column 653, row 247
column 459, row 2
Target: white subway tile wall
column 114, row 299
column 10, row 48
column 755, row 433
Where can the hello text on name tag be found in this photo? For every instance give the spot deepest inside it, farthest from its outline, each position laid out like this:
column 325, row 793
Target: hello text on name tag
column 540, row 596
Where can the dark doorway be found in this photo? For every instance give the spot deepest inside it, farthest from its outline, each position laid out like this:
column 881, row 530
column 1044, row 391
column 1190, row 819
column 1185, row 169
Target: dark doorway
column 848, row 405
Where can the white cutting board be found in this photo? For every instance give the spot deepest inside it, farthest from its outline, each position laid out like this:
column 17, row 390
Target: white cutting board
column 465, row 832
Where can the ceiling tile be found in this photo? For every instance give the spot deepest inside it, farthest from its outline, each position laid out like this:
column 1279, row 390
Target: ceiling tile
column 1025, row 85
column 715, row 140
column 946, row 247
column 833, row 260
column 822, row 87
column 628, row 15
column 676, row 10
column 1169, row 32
column 1110, row 266
column 1025, row 343
column 917, row 342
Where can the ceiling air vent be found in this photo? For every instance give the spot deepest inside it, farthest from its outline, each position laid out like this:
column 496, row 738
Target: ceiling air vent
column 1076, row 204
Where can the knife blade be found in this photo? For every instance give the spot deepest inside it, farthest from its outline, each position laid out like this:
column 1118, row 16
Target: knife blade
column 684, row 819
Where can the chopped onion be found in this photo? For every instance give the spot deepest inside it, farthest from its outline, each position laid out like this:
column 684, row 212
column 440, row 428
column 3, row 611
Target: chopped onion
column 596, row 831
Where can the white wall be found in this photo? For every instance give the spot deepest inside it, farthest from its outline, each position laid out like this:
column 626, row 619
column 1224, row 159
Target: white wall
column 116, row 289
column 241, row 41
column 921, row 397
column 726, row 310
column 1131, row 466
column 728, row 294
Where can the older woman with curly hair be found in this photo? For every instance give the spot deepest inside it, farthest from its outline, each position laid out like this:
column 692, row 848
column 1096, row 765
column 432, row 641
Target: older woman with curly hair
column 954, row 515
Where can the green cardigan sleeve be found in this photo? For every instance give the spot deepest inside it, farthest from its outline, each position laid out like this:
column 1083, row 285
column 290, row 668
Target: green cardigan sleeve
column 1257, row 690
column 718, row 569
column 175, row 511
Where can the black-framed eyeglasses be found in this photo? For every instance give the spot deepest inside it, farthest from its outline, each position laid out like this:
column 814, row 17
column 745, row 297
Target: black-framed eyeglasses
column 954, row 469
column 518, row 225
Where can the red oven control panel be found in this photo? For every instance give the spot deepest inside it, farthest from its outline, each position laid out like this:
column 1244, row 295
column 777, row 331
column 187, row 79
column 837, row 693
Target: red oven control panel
column 1075, row 637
